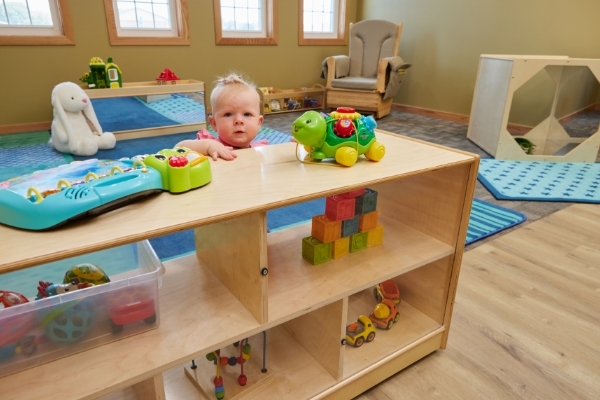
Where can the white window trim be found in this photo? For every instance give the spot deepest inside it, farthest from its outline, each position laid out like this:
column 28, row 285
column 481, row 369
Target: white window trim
column 27, row 35
column 267, row 37
column 148, row 32
column 338, row 37
column 150, row 37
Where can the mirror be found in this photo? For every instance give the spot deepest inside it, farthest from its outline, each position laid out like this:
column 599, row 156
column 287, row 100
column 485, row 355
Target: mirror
column 150, row 115
column 554, row 111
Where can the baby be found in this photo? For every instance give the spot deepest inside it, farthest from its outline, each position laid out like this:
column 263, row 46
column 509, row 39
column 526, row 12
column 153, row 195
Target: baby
column 235, row 117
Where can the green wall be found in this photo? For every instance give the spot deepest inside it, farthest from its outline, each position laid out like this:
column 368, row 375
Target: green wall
column 443, row 39
column 28, row 73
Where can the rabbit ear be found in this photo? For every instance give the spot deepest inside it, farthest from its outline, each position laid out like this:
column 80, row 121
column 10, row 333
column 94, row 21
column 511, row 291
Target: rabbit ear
column 90, row 114
column 59, row 113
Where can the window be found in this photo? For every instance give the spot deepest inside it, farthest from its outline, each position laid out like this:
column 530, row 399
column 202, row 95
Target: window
column 245, row 21
column 35, row 22
column 322, row 22
column 147, row 22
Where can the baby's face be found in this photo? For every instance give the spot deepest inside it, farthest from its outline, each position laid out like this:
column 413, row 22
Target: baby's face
column 236, row 117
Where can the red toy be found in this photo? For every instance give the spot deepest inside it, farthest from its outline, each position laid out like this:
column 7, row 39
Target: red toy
column 387, row 290
column 167, row 76
column 130, row 305
column 339, row 208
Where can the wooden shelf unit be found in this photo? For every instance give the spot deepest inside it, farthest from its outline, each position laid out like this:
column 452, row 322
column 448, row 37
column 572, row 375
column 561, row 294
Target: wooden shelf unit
column 219, row 295
column 135, row 89
column 316, row 92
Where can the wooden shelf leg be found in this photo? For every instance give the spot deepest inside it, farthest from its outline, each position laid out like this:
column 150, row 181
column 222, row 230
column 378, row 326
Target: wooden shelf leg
column 151, row 389
column 236, row 251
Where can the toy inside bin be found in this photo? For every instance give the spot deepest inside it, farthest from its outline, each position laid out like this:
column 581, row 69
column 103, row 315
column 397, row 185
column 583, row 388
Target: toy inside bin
column 53, row 327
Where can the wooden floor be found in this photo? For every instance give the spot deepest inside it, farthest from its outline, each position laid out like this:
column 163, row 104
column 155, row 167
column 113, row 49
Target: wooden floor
column 526, row 321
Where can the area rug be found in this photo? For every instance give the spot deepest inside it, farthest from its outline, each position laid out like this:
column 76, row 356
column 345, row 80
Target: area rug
column 150, row 145
column 24, row 153
column 128, row 113
column 488, row 219
column 541, row 180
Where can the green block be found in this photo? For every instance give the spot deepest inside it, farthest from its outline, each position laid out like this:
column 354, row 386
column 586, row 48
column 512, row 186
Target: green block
column 316, row 252
column 358, row 241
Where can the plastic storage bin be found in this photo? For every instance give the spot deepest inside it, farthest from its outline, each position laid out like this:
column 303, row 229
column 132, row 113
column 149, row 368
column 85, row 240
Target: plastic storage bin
column 57, row 326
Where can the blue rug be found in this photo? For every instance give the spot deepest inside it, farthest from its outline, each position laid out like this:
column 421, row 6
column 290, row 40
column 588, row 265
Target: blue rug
column 541, row 180
column 150, row 145
column 487, row 219
column 24, row 153
column 127, row 113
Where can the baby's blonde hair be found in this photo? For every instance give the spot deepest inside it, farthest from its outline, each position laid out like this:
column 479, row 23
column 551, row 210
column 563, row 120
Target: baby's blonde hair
column 230, row 82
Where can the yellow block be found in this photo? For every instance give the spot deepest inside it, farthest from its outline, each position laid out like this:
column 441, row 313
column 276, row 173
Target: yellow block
column 375, row 236
column 340, row 247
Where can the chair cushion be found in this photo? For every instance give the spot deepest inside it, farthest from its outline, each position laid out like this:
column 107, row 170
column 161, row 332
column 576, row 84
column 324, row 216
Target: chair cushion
column 371, row 40
column 355, row 82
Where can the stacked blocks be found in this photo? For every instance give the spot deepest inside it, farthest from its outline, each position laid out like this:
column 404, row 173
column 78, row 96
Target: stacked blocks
column 350, row 224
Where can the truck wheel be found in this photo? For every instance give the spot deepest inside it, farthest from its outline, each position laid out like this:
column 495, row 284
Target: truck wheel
column 376, row 152
column 116, row 328
column 396, row 317
column 371, row 337
column 151, row 319
column 359, row 342
column 390, row 324
column 346, row 156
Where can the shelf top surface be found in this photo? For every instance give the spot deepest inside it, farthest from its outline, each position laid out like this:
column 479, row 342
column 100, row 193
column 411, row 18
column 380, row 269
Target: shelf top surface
column 259, row 179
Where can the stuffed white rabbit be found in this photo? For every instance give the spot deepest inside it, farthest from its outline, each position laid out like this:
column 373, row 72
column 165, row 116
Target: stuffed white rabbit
column 71, row 132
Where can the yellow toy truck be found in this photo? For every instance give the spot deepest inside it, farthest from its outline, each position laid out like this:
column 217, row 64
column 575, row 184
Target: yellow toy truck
column 360, row 331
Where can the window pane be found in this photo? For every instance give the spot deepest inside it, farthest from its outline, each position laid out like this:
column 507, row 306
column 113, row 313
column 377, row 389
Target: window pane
column 254, row 20
column 253, row 4
column 17, row 12
column 227, row 19
column 3, row 19
column 328, row 6
column 145, row 19
column 127, row 18
column 227, row 3
column 162, row 20
column 40, row 12
column 241, row 19
column 241, row 3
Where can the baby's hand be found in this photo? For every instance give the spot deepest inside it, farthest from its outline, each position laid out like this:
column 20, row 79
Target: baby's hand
column 216, row 150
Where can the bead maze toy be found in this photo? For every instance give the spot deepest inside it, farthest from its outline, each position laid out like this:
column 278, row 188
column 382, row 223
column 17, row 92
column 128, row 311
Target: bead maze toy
column 342, row 135
column 49, row 198
column 350, row 224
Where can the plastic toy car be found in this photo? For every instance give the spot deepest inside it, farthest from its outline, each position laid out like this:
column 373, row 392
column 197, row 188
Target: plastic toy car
column 387, row 290
column 360, row 331
column 385, row 314
column 130, row 305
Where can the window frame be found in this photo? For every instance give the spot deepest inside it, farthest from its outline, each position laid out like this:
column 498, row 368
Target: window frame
column 340, row 37
column 271, row 24
column 65, row 38
column 181, row 17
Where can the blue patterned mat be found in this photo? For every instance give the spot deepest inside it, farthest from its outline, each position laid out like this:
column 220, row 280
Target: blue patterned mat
column 541, row 180
column 487, row 219
column 179, row 108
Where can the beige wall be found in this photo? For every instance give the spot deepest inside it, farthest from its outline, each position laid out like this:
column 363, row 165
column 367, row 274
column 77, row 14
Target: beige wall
column 28, row 73
column 443, row 39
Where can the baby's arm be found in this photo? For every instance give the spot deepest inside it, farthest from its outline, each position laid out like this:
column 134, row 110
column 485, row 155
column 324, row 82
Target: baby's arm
column 209, row 147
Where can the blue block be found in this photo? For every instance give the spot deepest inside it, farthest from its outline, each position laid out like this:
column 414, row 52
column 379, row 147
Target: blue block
column 350, row 226
column 366, row 202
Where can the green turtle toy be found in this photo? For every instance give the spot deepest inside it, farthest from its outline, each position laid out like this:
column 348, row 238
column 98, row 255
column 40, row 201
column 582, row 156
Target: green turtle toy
column 343, row 135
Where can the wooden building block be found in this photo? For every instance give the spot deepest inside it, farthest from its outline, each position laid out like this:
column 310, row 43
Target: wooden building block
column 375, row 236
column 338, row 208
column 340, row 247
column 367, row 222
column 314, row 251
column 358, row 241
column 366, row 203
column 350, row 226
column 326, row 230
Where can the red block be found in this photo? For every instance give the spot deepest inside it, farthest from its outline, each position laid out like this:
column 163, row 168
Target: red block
column 338, row 208
column 354, row 193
